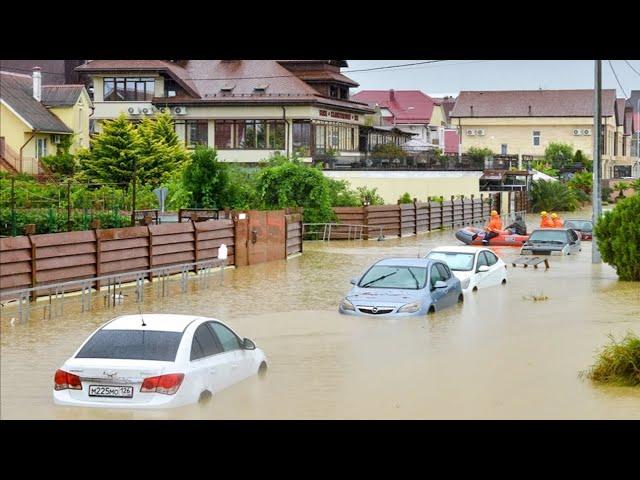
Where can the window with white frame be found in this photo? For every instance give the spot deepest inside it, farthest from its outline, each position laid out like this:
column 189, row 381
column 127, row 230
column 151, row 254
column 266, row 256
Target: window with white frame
column 41, row 147
column 536, row 138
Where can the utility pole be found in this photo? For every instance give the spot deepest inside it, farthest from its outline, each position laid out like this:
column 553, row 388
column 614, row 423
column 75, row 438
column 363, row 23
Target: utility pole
column 597, row 168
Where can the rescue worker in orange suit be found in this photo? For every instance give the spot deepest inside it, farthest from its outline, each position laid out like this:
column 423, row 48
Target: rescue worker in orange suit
column 493, row 228
column 545, row 220
column 557, row 221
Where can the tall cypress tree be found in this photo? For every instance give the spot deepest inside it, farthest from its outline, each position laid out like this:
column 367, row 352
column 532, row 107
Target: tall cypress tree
column 113, row 152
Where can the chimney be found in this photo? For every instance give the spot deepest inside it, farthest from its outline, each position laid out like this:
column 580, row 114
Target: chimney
column 392, row 95
column 37, row 83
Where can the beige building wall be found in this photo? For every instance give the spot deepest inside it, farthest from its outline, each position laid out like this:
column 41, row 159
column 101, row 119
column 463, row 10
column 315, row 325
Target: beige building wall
column 420, row 185
column 517, row 134
column 76, row 118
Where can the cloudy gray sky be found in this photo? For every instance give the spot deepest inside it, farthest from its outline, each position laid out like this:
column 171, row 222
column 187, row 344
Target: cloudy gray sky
column 455, row 75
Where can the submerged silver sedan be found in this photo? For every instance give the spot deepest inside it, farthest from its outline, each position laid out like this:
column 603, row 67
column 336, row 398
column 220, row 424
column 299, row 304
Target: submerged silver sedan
column 403, row 287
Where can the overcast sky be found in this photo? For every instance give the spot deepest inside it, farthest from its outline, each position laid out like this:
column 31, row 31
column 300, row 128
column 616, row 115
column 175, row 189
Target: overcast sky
column 450, row 77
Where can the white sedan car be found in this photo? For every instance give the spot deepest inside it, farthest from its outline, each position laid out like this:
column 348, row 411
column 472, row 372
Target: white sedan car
column 476, row 267
column 156, row 361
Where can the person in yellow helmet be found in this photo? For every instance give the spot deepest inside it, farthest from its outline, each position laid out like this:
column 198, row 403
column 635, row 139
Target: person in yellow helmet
column 545, row 220
column 557, row 221
column 493, row 228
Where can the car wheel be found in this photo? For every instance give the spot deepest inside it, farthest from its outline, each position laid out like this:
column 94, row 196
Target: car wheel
column 262, row 370
column 461, row 298
column 205, row 397
column 475, row 289
column 504, row 281
column 432, row 309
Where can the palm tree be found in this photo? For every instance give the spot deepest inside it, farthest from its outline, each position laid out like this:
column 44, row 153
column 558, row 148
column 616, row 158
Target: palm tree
column 620, row 187
column 552, row 196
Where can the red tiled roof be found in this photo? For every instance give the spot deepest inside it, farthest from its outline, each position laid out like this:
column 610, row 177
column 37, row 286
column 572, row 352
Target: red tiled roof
column 407, row 106
column 543, row 103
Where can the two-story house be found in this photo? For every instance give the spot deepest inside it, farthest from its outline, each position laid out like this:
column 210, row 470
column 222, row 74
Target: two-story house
column 35, row 117
column 411, row 110
column 525, row 122
column 245, row 109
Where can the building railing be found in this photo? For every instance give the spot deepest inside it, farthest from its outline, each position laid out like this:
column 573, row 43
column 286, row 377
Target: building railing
column 416, row 162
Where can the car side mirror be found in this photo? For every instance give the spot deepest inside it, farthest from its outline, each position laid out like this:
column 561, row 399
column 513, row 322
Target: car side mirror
column 483, row 268
column 440, row 284
column 248, row 344
column 354, row 281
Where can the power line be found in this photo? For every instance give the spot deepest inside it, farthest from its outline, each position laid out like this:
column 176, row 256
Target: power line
column 445, row 65
column 626, row 97
column 394, row 66
column 631, row 67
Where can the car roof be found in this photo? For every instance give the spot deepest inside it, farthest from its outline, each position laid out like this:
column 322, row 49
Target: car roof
column 153, row 321
column 458, row 249
column 405, row 262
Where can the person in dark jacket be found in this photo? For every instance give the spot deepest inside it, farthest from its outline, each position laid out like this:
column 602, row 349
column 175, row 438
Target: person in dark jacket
column 519, row 226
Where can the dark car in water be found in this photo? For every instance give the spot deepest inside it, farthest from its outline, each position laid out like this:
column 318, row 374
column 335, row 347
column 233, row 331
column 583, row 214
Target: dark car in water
column 550, row 241
column 584, row 227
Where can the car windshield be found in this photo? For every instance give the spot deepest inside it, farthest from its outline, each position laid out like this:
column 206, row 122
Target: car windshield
column 456, row 260
column 552, row 236
column 132, row 345
column 583, row 225
column 388, row 276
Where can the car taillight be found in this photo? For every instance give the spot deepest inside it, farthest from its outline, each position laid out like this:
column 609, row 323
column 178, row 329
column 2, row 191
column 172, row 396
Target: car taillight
column 167, row 384
column 65, row 380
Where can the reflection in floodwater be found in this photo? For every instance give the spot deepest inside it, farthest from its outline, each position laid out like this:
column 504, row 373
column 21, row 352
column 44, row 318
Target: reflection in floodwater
column 497, row 356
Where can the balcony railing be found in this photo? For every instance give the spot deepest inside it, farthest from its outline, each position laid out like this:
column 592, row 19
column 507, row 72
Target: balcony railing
column 418, row 162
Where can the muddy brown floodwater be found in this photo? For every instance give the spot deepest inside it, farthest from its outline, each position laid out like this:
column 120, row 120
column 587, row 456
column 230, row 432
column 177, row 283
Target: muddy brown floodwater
column 498, row 356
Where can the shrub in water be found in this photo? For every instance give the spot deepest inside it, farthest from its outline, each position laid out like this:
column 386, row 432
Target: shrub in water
column 618, row 363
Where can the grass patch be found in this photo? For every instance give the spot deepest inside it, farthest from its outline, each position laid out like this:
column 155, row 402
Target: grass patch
column 618, row 363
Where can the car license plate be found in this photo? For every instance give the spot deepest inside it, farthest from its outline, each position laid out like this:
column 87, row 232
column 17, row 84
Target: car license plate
column 119, row 391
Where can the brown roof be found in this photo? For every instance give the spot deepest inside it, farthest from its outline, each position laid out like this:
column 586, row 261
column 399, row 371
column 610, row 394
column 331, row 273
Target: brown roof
column 61, row 95
column 531, row 103
column 324, row 75
column 207, row 79
column 17, row 91
column 178, row 73
column 620, row 111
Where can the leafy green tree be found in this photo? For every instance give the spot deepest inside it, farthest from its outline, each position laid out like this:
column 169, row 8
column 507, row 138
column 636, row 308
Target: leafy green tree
column 388, row 150
column 559, row 154
column 636, row 184
column 342, row 195
column 618, row 236
column 479, row 153
column 405, row 198
column 369, row 196
column 207, row 180
column 544, row 167
column 583, row 160
column 160, row 150
column 582, row 181
column 294, row 184
column 63, row 163
column 552, row 196
column 114, row 153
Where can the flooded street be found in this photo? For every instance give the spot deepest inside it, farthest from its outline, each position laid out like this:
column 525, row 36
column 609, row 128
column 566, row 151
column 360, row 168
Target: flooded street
column 498, row 356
